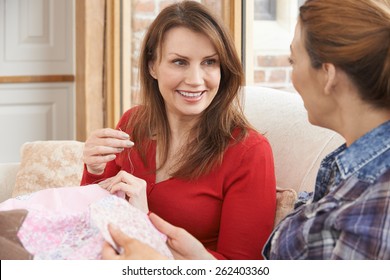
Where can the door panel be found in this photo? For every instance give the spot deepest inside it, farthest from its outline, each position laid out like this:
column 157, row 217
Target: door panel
column 36, row 44
column 30, row 112
column 37, row 36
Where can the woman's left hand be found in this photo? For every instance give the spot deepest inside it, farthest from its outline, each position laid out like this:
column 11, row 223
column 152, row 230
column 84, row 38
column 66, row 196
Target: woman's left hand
column 133, row 187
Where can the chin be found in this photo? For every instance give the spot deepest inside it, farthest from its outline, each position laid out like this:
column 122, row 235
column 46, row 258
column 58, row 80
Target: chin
column 194, row 111
column 316, row 122
column 193, row 114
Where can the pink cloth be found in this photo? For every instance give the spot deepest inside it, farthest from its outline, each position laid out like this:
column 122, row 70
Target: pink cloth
column 59, row 223
column 62, row 200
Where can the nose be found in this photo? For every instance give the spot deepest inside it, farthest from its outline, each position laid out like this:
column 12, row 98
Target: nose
column 194, row 75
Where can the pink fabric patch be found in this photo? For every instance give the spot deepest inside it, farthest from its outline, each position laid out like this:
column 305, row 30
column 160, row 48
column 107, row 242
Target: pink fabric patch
column 62, row 200
column 130, row 220
column 59, row 223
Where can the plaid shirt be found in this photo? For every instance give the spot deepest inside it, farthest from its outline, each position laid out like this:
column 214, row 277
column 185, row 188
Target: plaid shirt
column 349, row 214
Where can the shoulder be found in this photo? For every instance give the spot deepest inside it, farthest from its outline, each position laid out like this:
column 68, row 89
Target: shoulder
column 382, row 185
column 253, row 143
column 365, row 196
column 385, row 178
column 253, row 138
column 130, row 113
column 375, row 168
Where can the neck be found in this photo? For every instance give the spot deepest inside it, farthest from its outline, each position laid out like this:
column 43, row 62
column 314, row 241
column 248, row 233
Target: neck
column 180, row 126
column 355, row 122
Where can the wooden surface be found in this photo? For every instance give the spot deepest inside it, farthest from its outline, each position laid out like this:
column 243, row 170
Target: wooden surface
column 36, row 79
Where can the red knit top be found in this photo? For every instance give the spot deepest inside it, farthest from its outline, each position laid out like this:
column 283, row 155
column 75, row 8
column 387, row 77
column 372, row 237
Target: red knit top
column 231, row 210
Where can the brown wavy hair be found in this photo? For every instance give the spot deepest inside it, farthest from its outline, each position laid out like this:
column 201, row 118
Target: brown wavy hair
column 354, row 35
column 214, row 131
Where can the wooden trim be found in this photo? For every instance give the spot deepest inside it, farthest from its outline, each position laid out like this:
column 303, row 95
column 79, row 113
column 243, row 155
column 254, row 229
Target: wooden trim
column 118, row 60
column 236, row 23
column 113, row 63
column 248, row 46
column 81, row 77
column 36, row 79
column 232, row 16
column 126, row 96
column 90, row 23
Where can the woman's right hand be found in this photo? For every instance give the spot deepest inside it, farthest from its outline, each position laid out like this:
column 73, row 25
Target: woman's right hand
column 182, row 244
column 102, row 146
column 133, row 249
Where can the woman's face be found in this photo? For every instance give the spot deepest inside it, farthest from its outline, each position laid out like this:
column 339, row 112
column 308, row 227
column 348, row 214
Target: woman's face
column 188, row 72
column 309, row 82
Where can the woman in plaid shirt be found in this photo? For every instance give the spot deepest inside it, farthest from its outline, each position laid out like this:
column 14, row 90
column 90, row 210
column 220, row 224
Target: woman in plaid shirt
column 340, row 56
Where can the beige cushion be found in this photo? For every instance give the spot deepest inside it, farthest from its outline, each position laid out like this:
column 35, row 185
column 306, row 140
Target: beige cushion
column 8, row 173
column 285, row 200
column 297, row 145
column 48, row 164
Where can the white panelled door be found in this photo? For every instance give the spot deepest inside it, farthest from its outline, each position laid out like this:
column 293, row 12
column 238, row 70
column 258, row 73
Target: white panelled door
column 30, row 112
column 36, row 39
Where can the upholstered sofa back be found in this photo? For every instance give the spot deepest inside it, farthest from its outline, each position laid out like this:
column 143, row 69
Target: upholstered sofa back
column 297, row 145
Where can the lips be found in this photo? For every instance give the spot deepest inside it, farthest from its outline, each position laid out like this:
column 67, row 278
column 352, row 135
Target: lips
column 188, row 94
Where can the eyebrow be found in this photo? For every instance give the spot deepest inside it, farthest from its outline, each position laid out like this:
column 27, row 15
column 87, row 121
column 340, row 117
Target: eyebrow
column 209, row 56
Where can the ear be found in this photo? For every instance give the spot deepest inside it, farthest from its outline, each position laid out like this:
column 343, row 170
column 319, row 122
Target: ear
column 330, row 77
column 152, row 72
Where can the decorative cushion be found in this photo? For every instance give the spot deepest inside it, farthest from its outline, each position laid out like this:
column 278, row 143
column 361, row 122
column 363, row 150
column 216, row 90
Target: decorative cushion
column 11, row 247
column 8, row 173
column 285, row 200
column 48, row 164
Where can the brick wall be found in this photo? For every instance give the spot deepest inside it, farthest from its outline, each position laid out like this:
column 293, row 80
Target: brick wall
column 272, row 71
column 143, row 13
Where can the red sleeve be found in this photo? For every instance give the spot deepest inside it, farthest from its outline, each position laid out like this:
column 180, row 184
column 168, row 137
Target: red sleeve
column 112, row 167
column 111, row 170
column 249, row 205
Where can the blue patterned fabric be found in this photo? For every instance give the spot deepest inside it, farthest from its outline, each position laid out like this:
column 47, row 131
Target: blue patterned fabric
column 349, row 215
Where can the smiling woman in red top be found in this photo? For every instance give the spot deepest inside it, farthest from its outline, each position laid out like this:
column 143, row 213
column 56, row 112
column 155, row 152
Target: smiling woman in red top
column 196, row 161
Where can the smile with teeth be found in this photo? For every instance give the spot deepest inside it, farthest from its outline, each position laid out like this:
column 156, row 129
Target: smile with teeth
column 190, row 94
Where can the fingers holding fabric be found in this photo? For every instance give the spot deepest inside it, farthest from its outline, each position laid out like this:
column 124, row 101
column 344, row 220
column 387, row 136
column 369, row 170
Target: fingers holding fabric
column 133, row 187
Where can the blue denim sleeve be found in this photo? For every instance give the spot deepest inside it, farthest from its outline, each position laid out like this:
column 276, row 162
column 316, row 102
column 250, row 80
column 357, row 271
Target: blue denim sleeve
column 303, row 198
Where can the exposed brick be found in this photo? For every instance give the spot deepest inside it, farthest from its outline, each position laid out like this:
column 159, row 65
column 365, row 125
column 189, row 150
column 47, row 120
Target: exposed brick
column 135, row 61
column 259, row 76
column 215, row 6
column 272, row 61
column 277, row 76
column 282, row 61
column 140, row 24
column 289, row 75
column 166, row 3
column 143, row 6
column 266, row 60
